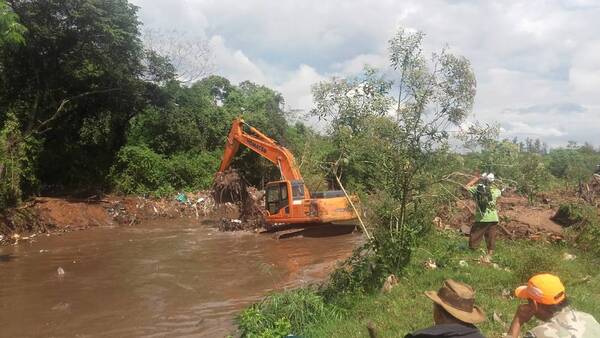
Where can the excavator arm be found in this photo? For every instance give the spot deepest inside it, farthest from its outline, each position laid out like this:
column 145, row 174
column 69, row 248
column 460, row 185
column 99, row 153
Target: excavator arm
column 262, row 145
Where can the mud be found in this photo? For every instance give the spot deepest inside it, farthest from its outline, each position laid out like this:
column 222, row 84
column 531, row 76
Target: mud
column 164, row 278
column 518, row 219
column 52, row 215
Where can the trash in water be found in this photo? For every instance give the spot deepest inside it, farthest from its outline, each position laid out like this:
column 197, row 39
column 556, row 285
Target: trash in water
column 60, row 271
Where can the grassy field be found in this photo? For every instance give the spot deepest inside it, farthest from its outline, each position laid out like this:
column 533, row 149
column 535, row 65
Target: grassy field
column 406, row 309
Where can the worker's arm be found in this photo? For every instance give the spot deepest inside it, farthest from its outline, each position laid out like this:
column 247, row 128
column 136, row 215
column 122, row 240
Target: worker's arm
column 523, row 315
column 472, row 182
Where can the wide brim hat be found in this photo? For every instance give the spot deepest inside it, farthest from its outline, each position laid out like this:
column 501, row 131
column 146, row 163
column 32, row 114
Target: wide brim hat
column 458, row 300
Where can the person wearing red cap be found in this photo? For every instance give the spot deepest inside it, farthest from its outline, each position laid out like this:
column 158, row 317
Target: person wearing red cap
column 547, row 300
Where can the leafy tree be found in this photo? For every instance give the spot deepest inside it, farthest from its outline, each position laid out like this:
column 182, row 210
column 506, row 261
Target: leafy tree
column 75, row 83
column 11, row 31
column 396, row 158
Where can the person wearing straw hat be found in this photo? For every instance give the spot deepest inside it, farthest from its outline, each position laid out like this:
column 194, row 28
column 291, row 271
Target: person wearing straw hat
column 454, row 312
column 547, row 300
column 486, row 214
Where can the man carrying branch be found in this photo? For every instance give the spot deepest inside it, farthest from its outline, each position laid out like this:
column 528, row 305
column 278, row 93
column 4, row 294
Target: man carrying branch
column 486, row 213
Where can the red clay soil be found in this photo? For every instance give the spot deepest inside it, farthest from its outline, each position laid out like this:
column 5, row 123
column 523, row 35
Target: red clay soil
column 518, row 219
column 45, row 214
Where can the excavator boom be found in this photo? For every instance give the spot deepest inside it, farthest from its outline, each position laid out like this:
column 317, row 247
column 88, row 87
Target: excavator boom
column 261, row 144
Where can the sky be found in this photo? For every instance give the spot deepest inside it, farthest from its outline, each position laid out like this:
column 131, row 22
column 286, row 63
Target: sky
column 537, row 63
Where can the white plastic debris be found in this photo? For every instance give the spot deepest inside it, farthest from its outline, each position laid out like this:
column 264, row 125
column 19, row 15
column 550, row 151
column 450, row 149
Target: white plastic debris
column 463, row 263
column 430, row 264
column 568, row 257
column 60, row 271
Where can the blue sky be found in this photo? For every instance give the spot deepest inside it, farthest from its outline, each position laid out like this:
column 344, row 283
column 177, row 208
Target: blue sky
column 537, row 63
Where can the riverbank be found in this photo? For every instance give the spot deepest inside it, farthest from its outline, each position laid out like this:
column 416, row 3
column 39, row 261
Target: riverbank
column 444, row 254
column 50, row 215
column 531, row 241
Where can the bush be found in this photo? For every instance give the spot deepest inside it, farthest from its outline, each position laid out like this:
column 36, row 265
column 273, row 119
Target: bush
column 17, row 163
column 283, row 313
column 139, row 170
column 189, row 171
column 585, row 224
column 570, row 214
column 388, row 252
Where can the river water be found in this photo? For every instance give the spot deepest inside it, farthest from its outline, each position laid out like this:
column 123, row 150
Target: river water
column 154, row 280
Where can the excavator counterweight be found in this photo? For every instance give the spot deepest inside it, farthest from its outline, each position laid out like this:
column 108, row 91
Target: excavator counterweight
column 288, row 200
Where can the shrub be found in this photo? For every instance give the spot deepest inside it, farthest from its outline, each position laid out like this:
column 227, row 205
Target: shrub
column 139, row 170
column 17, row 162
column 388, row 252
column 284, row 313
column 585, row 223
column 570, row 214
column 192, row 171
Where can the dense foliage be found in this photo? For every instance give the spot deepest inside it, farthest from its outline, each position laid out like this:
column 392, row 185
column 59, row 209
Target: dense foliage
column 86, row 108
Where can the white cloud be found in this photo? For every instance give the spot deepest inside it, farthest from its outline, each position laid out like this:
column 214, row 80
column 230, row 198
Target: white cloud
column 524, row 53
column 297, row 89
column 234, row 64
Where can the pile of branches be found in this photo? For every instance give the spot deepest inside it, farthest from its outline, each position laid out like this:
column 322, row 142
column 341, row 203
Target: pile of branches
column 230, row 187
column 590, row 192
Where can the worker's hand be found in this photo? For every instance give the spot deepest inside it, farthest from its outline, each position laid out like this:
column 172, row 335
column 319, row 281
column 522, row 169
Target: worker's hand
column 522, row 316
column 525, row 312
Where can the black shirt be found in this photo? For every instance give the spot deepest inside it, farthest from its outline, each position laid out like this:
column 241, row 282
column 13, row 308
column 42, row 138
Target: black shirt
column 447, row 330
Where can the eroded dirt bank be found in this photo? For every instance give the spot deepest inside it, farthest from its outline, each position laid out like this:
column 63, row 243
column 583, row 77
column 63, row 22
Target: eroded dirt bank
column 56, row 215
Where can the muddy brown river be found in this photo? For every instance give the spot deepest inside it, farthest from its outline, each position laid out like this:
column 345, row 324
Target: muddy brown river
column 154, row 280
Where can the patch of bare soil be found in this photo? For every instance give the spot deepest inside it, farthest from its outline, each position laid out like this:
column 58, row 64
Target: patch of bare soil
column 49, row 214
column 518, row 219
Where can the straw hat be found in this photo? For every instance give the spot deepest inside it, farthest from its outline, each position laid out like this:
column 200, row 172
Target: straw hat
column 458, row 300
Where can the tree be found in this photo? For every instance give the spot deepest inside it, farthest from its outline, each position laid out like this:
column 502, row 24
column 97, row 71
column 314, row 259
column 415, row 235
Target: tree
column 190, row 56
column 75, row 83
column 11, row 30
column 431, row 96
column 393, row 145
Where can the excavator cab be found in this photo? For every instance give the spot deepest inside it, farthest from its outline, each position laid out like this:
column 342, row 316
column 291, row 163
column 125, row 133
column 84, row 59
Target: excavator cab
column 277, row 197
column 286, row 199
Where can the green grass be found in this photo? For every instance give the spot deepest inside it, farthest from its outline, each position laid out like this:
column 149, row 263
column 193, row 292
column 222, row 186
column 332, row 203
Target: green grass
column 406, row 309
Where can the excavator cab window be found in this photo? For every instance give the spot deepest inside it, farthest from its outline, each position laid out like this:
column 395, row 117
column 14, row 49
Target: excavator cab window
column 297, row 190
column 277, row 197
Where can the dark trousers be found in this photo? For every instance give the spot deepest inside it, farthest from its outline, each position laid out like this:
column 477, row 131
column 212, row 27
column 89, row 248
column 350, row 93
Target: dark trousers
column 479, row 230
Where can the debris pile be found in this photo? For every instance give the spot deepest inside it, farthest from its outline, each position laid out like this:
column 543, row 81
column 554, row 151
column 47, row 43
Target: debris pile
column 518, row 219
column 590, row 192
column 230, row 187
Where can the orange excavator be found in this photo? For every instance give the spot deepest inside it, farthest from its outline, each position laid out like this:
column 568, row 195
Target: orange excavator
column 288, row 201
